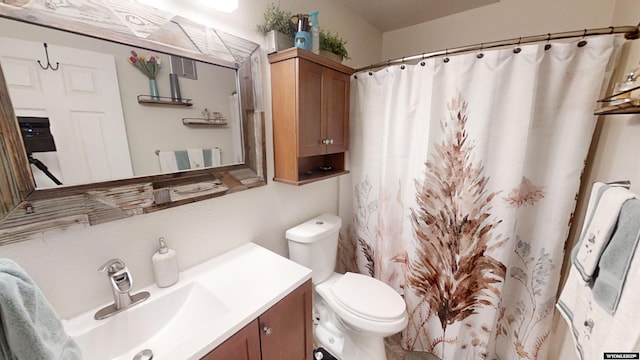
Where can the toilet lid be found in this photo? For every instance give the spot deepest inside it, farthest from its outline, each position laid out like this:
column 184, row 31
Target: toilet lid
column 368, row 297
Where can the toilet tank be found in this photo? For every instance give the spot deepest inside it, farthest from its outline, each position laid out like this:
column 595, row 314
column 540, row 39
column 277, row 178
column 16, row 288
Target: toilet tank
column 314, row 244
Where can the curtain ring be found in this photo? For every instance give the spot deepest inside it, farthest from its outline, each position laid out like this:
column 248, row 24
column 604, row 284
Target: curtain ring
column 612, row 29
column 422, row 63
column 370, row 72
column 480, row 55
column 547, row 46
column 518, row 49
column 446, row 56
column 402, row 66
column 583, row 42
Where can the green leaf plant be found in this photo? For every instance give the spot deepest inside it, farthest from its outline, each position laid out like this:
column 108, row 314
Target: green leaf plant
column 276, row 19
column 333, row 43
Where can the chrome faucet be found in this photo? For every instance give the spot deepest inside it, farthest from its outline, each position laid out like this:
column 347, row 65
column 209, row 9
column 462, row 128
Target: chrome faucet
column 121, row 283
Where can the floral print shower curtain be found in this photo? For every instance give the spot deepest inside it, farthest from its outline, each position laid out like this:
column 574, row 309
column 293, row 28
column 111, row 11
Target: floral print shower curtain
column 464, row 178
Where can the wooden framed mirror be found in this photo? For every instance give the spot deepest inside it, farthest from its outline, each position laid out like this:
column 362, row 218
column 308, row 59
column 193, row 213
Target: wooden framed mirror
column 26, row 209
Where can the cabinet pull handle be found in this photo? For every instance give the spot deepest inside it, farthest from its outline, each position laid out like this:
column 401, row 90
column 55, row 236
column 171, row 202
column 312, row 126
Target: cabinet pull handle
column 267, row 330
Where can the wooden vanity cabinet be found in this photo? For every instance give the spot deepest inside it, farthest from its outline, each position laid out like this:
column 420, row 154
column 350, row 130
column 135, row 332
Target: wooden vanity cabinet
column 284, row 332
column 243, row 345
column 310, row 111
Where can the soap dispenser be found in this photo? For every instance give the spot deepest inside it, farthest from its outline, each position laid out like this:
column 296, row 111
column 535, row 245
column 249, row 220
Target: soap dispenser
column 165, row 266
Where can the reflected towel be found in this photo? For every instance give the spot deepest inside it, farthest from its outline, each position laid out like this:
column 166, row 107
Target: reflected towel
column 190, row 159
column 168, row 161
column 616, row 258
column 212, row 157
column 598, row 229
column 196, row 158
column 30, row 327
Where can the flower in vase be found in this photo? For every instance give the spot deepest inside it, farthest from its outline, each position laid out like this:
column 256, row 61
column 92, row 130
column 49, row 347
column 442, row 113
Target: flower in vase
column 149, row 67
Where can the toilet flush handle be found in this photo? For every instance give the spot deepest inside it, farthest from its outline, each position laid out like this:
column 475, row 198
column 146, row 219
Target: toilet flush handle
column 267, row 330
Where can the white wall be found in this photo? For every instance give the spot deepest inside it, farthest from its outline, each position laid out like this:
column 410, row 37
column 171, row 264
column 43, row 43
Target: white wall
column 64, row 264
column 506, row 19
column 364, row 42
column 619, row 145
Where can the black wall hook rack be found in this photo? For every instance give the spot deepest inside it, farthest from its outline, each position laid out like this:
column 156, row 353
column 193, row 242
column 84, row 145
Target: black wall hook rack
column 49, row 66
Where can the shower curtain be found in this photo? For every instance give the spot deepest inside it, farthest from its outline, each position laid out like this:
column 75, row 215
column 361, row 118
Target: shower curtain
column 465, row 173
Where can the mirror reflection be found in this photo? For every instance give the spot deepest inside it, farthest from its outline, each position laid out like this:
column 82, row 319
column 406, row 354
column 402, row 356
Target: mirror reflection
column 94, row 116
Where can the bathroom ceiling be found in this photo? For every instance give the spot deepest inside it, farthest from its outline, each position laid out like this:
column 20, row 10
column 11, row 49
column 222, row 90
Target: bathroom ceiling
column 389, row 15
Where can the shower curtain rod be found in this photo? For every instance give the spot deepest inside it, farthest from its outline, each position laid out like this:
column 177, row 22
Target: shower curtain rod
column 630, row 33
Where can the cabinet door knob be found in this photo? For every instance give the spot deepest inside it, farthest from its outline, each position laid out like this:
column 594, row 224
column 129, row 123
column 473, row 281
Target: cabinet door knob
column 325, row 141
column 267, row 330
column 330, row 141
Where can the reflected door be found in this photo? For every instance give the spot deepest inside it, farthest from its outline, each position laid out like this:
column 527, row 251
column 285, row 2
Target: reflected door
column 82, row 103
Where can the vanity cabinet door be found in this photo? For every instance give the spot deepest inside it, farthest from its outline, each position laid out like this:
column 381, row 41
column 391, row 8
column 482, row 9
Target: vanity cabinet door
column 244, row 345
column 286, row 328
column 284, row 332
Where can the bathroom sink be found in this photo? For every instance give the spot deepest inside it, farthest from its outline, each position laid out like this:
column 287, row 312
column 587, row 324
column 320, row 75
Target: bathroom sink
column 191, row 318
column 168, row 318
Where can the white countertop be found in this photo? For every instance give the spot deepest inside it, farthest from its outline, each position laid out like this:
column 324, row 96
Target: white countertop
column 248, row 280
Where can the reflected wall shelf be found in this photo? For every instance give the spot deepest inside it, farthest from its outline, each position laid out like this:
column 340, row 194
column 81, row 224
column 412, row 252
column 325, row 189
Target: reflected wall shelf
column 162, row 100
column 204, row 121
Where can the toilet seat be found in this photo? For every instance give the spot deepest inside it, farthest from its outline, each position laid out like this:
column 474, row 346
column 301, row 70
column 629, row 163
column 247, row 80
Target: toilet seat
column 368, row 318
column 368, row 297
column 353, row 319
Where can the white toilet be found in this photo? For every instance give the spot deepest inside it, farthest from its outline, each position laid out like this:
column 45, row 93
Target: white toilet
column 354, row 312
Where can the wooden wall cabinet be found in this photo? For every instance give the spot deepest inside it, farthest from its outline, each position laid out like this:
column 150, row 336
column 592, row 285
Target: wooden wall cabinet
column 310, row 111
column 284, row 332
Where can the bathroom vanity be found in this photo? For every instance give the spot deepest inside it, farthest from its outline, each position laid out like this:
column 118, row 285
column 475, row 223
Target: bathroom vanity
column 248, row 303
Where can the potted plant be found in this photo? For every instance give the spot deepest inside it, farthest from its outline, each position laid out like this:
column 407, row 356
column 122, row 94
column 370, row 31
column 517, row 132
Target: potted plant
column 333, row 46
column 277, row 28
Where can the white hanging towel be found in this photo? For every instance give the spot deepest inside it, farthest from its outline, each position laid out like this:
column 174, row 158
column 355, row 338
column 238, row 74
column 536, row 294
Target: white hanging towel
column 190, row 159
column 168, row 161
column 597, row 232
column 212, row 157
column 217, row 157
column 595, row 330
column 196, row 158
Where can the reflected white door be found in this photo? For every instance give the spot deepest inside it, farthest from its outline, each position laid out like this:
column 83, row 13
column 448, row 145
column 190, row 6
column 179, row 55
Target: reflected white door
column 81, row 100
